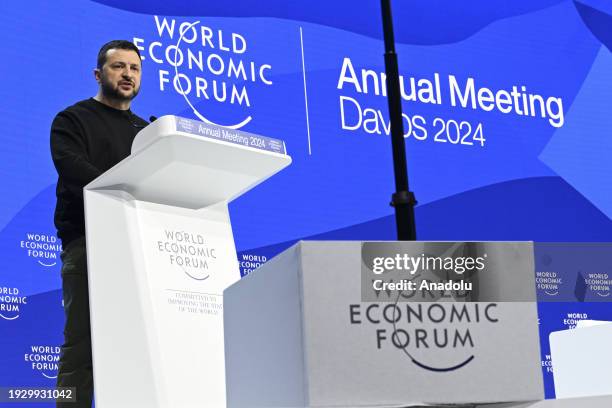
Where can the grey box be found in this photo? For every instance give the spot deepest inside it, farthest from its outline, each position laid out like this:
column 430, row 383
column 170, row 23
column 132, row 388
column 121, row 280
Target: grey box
column 297, row 334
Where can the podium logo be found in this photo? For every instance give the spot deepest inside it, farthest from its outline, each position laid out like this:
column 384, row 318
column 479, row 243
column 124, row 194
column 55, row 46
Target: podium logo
column 188, row 252
column 435, row 337
column 205, row 64
column 45, row 249
column 43, row 359
column 11, row 302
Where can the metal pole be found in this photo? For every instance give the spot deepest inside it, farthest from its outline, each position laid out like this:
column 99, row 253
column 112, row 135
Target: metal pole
column 403, row 200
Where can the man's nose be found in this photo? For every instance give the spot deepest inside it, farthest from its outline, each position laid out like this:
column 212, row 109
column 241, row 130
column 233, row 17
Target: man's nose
column 128, row 73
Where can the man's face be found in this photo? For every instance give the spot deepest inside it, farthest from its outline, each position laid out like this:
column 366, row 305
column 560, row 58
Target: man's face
column 119, row 78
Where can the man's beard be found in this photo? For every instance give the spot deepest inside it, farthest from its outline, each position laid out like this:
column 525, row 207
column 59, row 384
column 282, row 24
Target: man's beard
column 112, row 92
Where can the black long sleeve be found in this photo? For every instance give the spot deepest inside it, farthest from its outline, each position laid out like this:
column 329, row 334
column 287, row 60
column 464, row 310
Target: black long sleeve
column 69, row 154
column 87, row 139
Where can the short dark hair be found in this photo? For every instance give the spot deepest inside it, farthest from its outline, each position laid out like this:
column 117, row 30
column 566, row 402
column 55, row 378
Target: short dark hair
column 113, row 45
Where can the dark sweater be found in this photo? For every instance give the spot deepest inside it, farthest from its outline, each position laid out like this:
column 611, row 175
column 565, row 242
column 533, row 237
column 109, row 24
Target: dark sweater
column 87, row 139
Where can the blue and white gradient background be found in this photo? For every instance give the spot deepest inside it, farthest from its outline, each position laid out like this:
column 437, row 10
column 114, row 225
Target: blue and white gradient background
column 531, row 181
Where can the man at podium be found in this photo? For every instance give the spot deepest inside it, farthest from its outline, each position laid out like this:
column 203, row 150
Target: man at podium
column 87, row 139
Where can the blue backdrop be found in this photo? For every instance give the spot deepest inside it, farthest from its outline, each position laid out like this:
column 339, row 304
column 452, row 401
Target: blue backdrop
column 506, row 111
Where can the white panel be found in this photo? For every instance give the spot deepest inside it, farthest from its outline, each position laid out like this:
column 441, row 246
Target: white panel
column 190, row 259
column 264, row 337
column 125, row 352
column 582, row 361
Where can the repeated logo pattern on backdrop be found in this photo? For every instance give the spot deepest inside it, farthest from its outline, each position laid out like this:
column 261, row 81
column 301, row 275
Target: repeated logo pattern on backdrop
column 506, row 119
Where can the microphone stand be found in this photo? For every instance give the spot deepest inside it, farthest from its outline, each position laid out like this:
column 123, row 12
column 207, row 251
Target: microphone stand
column 403, row 200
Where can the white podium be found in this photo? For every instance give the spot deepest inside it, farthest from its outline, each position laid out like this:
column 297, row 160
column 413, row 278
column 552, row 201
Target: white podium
column 160, row 252
column 582, row 360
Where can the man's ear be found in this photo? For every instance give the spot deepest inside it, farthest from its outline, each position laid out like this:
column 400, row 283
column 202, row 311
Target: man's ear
column 97, row 74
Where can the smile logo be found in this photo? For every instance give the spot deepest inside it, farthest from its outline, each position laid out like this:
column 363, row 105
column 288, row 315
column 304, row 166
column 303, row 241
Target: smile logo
column 195, row 273
column 548, row 281
column 11, row 302
column 441, row 333
column 186, row 91
column 44, row 248
column 437, row 337
column 599, row 283
column 189, row 252
column 44, row 359
column 206, row 65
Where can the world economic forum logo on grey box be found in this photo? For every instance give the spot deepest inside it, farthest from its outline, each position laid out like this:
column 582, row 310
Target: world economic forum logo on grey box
column 422, row 299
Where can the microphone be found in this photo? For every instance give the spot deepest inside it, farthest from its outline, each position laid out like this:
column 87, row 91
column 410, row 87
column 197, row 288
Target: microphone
column 138, row 126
